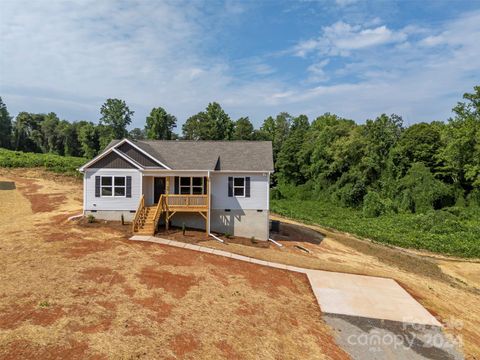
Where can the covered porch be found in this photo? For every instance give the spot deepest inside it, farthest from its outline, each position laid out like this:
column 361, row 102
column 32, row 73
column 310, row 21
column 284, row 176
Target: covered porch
column 166, row 194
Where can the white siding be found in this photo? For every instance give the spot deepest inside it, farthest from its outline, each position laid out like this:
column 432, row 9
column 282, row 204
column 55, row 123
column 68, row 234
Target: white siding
column 148, row 189
column 258, row 200
column 111, row 203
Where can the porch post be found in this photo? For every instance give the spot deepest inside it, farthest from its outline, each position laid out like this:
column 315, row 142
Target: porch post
column 207, row 220
column 167, row 190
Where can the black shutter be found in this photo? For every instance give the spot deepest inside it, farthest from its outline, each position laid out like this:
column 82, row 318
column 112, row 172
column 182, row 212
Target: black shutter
column 177, row 185
column 230, row 186
column 97, row 186
column 247, row 186
column 205, row 189
column 129, row 186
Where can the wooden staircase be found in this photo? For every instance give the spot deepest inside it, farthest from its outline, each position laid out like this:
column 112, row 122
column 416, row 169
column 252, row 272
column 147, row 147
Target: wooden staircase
column 146, row 226
column 146, row 217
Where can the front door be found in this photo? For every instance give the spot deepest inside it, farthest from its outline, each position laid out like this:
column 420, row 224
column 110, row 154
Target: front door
column 158, row 188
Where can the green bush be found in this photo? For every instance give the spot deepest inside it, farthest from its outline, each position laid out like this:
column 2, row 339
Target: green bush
column 473, row 199
column 373, row 205
column 439, row 222
column 51, row 162
column 441, row 231
column 420, row 192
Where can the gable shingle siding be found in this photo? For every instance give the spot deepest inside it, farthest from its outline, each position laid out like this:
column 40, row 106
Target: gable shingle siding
column 136, row 155
column 112, row 161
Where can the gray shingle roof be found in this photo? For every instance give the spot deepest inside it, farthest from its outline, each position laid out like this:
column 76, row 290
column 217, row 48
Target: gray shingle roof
column 209, row 155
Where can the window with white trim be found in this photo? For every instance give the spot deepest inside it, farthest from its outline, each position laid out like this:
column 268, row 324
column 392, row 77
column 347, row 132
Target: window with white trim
column 113, row 186
column 239, row 186
column 191, row 185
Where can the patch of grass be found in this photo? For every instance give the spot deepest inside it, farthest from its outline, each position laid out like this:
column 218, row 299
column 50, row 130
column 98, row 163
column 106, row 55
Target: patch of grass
column 447, row 231
column 60, row 164
column 44, row 304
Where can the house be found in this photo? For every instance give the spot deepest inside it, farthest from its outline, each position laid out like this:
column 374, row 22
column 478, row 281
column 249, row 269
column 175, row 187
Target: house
column 216, row 186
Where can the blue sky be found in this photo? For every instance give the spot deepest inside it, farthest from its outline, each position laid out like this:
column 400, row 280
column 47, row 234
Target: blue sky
column 357, row 59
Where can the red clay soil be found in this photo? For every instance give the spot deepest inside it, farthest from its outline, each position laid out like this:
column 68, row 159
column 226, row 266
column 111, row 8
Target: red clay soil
column 260, row 278
column 39, row 202
column 135, row 329
column 183, row 344
column 227, row 350
column 177, row 257
column 175, row 284
column 160, row 309
column 102, row 275
column 102, row 323
column 83, row 248
column 15, row 316
column 74, row 350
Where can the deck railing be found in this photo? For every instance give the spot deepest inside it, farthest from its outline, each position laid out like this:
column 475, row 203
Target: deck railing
column 186, row 201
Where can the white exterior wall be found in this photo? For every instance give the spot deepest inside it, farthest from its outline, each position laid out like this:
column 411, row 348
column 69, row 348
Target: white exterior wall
column 148, row 189
column 111, row 203
column 259, row 188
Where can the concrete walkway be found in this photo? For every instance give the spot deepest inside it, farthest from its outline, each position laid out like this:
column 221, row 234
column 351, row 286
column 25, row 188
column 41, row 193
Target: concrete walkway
column 339, row 293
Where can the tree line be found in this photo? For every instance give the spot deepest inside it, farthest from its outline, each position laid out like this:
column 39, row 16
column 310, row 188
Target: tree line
column 46, row 133
column 380, row 165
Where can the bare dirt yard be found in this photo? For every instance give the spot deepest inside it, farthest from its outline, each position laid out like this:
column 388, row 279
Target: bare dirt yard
column 448, row 288
column 77, row 291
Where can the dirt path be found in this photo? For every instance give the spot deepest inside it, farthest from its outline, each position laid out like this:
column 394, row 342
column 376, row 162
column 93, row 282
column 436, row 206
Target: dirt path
column 85, row 292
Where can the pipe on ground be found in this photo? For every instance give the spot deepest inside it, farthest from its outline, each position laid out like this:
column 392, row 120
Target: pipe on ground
column 216, row 238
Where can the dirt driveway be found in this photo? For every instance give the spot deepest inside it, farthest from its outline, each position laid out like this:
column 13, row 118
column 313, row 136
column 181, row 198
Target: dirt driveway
column 76, row 292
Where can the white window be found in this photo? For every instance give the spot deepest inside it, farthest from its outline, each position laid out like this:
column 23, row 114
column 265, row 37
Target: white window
column 239, row 186
column 113, row 186
column 191, row 185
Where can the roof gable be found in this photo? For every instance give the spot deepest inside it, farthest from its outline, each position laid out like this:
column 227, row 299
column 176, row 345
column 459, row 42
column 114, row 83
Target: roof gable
column 112, row 160
column 137, row 155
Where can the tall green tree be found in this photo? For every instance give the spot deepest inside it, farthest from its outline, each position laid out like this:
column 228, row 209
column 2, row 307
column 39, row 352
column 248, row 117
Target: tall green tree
column 5, row 126
column 137, row 134
column 418, row 143
column 460, row 156
column 27, row 134
column 51, row 140
column 382, row 135
column 211, row 124
column 160, row 125
column 116, row 115
column 243, row 129
column 89, row 139
column 289, row 157
column 276, row 130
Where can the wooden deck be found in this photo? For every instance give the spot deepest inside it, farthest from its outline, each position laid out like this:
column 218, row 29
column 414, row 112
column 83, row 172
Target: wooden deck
column 186, row 203
column 147, row 217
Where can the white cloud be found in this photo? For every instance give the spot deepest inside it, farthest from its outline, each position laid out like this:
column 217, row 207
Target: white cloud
column 317, row 71
column 341, row 38
column 69, row 57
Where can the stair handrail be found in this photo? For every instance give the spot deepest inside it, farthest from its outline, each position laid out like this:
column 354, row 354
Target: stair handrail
column 158, row 211
column 140, row 210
